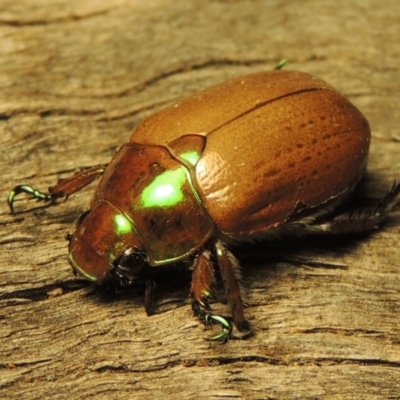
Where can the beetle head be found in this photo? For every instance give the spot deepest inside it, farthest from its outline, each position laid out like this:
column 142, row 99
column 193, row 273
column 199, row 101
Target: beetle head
column 103, row 237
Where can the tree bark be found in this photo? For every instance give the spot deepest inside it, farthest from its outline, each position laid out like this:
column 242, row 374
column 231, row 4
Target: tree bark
column 76, row 78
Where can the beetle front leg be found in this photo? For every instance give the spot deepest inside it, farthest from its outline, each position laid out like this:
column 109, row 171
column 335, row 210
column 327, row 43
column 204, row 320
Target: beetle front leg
column 26, row 189
column 63, row 188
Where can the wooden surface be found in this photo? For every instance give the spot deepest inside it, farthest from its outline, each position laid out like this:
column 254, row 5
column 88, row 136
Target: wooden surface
column 76, row 78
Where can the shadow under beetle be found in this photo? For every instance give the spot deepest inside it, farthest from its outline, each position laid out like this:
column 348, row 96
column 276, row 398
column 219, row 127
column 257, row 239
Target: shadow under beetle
column 260, row 154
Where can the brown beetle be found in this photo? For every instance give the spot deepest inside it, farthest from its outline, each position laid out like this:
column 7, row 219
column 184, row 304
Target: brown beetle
column 256, row 155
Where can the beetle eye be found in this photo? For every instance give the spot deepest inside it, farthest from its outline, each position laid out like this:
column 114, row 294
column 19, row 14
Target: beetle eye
column 131, row 262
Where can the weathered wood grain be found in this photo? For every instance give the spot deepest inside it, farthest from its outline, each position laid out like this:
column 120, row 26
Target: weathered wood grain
column 75, row 79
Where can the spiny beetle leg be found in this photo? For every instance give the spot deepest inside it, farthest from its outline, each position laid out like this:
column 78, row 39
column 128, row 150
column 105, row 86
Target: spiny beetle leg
column 229, row 269
column 76, row 182
column 202, row 279
column 63, row 188
column 362, row 220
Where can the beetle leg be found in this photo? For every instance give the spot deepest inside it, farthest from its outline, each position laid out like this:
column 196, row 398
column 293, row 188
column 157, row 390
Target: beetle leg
column 63, row 188
column 202, row 280
column 71, row 185
column 361, row 220
column 388, row 202
column 210, row 319
column 25, row 189
column 149, row 295
column 228, row 266
column 226, row 332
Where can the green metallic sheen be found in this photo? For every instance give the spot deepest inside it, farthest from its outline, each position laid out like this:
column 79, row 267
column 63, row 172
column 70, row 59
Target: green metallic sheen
column 159, row 200
column 217, row 319
column 165, row 190
column 36, row 194
column 123, row 224
column 191, row 157
column 174, row 194
column 226, row 332
column 81, row 271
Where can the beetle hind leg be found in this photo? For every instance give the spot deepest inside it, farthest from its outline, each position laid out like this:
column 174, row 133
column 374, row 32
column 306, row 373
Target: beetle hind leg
column 363, row 220
column 388, row 202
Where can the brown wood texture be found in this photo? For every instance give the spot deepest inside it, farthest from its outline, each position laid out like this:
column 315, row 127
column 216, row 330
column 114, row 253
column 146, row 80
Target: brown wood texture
column 76, row 78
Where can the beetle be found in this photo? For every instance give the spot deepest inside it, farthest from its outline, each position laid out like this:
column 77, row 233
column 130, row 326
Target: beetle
column 257, row 155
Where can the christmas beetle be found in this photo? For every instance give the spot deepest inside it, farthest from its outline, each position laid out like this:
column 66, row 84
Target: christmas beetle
column 257, row 155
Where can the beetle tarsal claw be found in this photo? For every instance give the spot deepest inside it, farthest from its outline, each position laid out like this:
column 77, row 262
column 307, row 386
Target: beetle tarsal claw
column 35, row 194
column 226, row 332
column 211, row 320
column 204, row 305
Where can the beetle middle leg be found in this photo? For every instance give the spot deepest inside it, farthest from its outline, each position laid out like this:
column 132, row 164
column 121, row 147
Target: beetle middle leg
column 202, row 281
column 229, row 269
column 63, row 188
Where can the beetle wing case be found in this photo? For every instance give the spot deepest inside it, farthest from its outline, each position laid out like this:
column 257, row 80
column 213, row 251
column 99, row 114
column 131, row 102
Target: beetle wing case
column 277, row 142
